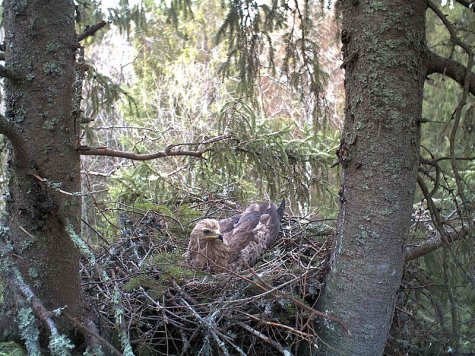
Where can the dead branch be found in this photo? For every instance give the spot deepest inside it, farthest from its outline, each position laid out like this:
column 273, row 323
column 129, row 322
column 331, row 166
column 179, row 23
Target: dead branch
column 167, row 152
column 433, row 243
column 266, row 339
column 91, row 30
column 55, row 186
column 103, row 151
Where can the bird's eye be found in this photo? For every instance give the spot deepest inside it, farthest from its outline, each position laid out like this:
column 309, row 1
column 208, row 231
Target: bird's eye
column 206, row 232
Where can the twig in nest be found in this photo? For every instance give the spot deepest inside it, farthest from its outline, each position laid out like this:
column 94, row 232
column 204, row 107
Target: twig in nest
column 88, row 332
column 266, row 339
column 301, row 304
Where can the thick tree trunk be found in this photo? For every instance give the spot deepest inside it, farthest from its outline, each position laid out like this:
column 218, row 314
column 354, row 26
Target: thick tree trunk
column 39, row 51
column 383, row 43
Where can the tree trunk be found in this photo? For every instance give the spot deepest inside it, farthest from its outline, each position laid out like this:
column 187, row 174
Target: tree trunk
column 383, row 43
column 40, row 52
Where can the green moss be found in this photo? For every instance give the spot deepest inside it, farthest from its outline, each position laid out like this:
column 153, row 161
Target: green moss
column 52, row 47
column 32, row 272
column 51, row 68
column 50, row 124
column 173, row 266
column 20, row 114
column 154, row 287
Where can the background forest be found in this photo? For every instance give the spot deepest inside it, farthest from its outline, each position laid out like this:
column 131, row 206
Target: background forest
column 258, row 93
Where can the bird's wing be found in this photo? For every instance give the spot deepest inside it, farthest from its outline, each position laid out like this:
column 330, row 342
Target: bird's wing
column 226, row 225
column 255, row 231
column 192, row 250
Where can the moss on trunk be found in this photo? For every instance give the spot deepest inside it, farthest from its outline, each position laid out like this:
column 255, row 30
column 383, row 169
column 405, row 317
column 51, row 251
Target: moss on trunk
column 383, row 42
column 39, row 42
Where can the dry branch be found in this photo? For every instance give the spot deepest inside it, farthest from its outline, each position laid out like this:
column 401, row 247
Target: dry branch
column 103, row 151
column 169, row 151
column 91, row 30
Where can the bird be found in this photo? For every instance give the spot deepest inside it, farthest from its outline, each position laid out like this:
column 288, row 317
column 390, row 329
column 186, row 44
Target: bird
column 237, row 241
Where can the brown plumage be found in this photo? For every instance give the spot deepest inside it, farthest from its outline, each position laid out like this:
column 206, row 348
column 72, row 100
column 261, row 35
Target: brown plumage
column 236, row 241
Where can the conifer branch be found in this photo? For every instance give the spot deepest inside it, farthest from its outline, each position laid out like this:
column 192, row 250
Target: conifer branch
column 451, row 69
column 468, row 4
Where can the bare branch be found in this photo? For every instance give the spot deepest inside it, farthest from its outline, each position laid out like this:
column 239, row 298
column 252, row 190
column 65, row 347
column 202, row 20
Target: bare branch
column 104, row 151
column 265, row 338
column 55, row 186
column 433, row 244
column 39, row 309
column 91, row 30
column 167, row 152
column 434, row 161
column 450, row 68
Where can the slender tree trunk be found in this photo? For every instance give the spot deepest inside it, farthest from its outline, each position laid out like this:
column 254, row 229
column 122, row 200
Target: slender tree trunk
column 40, row 52
column 383, row 43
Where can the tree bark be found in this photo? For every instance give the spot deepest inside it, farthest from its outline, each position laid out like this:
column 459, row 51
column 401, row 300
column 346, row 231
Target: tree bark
column 383, row 49
column 40, row 52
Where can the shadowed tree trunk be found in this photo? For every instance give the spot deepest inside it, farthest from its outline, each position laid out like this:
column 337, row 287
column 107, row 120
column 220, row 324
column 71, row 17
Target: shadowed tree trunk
column 40, row 47
column 383, row 49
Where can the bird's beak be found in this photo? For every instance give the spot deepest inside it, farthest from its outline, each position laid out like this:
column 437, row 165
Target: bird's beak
column 220, row 237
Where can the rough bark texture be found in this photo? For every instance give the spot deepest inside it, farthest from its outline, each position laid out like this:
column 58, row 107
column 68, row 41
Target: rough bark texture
column 39, row 50
column 383, row 43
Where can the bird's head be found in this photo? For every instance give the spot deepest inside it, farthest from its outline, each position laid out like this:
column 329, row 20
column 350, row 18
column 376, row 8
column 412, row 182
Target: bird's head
column 208, row 230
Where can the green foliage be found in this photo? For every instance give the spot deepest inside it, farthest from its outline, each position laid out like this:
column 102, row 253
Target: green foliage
column 180, row 99
column 11, row 349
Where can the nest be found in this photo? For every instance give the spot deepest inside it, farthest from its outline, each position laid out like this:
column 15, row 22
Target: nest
column 146, row 297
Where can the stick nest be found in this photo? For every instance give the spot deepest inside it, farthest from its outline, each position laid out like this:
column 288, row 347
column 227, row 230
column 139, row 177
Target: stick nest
column 144, row 294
